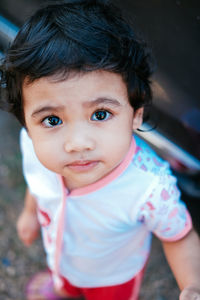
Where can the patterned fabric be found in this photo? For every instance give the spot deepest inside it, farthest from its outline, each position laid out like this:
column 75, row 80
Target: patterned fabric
column 162, row 206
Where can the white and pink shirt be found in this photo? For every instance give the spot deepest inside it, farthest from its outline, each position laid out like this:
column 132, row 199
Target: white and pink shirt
column 100, row 235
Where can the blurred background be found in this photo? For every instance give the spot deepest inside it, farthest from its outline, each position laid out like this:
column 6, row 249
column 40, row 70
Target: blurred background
column 172, row 31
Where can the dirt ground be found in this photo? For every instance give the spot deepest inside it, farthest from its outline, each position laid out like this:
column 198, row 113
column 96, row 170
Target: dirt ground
column 18, row 263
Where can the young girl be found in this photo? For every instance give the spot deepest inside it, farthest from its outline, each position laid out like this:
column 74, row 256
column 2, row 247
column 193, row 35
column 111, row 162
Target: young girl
column 77, row 79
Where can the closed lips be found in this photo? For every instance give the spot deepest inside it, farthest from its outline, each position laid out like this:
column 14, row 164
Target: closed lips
column 82, row 165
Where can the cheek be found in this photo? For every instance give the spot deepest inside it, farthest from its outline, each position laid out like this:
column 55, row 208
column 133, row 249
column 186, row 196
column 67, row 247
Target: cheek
column 116, row 147
column 46, row 154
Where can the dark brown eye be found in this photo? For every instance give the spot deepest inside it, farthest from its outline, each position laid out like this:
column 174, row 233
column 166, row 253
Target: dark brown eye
column 52, row 121
column 100, row 115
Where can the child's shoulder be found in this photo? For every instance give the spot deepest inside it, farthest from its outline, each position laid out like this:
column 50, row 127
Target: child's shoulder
column 148, row 160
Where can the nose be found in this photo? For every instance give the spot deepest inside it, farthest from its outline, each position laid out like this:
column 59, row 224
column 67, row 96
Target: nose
column 79, row 139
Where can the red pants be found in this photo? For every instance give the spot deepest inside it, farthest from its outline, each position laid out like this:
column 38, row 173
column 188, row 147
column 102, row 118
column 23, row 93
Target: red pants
column 126, row 291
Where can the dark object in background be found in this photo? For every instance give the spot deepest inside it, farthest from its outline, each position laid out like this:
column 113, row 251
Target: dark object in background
column 172, row 28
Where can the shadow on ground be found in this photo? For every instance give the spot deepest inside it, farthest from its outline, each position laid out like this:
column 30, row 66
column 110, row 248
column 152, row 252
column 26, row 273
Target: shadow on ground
column 17, row 263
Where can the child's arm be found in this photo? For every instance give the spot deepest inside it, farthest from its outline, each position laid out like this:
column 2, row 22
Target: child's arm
column 27, row 224
column 184, row 259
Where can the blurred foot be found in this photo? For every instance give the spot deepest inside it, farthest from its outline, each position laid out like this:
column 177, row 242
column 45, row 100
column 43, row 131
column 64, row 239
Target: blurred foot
column 41, row 287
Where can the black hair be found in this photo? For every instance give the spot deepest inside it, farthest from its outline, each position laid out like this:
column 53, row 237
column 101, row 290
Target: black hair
column 75, row 36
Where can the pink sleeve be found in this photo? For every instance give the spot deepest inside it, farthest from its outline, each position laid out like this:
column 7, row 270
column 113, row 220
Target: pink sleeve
column 164, row 213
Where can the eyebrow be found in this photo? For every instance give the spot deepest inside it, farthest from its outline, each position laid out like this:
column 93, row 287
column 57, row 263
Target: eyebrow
column 88, row 104
column 46, row 109
column 102, row 100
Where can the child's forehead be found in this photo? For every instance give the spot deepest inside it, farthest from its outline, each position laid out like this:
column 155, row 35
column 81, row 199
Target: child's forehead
column 98, row 79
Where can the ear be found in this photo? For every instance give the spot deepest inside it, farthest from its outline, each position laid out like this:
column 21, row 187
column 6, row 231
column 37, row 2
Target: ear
column 138, row 118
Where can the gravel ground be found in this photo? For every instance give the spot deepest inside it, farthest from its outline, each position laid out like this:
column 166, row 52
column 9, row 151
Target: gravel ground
column 18, row 263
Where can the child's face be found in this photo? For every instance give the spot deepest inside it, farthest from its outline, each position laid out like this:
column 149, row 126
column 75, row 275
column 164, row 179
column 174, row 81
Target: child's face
column 81, row 128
